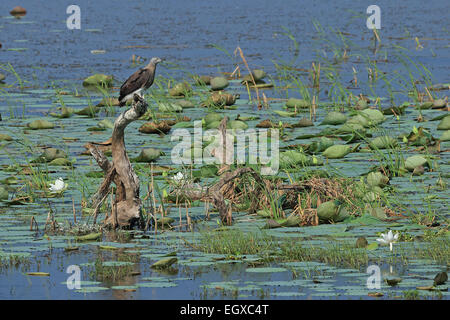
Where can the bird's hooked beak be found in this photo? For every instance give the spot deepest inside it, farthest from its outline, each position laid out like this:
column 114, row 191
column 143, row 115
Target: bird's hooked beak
column 157, row 60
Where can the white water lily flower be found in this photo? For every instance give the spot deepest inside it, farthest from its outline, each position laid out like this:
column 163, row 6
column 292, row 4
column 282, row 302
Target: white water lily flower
column 58, row 186
column 178, row 177
column 388, row 238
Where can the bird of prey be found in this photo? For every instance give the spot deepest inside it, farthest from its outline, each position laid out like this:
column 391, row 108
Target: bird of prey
column 138, row 82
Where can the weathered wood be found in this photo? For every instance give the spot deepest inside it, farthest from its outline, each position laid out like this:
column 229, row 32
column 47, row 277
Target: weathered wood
column 106, row 166
column 97, row 207
column 127, row 204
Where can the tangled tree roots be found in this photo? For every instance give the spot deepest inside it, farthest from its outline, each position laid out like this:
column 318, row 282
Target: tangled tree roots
column 126, row 206
column 223, row 190
column 245, row 185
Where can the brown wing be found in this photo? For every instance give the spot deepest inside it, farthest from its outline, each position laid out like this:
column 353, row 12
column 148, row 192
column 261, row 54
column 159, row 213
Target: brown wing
column 134, row 82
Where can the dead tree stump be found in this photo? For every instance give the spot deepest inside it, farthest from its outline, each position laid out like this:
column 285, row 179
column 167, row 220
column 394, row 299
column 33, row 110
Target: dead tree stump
column 126, row 206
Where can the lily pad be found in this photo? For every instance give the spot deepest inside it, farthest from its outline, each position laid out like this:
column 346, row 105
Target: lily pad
column 337, row 151
column 377, row 179
column 445, row 136
column 415, row 161
column 266, row 270
column 148, row 155
column 5, row 137
column 383, row 142
column 334, row 118
column 219, row 83
column 39, row 274
column 164, row 263
column 40, row 124
column 297, row 103
column 98, row 79
column 90, row 237
column 444, row 124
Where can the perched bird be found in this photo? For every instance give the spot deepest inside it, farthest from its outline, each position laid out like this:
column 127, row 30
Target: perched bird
column 138, row 82
column 59, row 185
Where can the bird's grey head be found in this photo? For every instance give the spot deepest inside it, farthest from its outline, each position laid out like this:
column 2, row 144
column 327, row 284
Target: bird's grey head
column 155, row 60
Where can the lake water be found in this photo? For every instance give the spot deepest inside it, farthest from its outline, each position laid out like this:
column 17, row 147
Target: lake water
column 183, row 33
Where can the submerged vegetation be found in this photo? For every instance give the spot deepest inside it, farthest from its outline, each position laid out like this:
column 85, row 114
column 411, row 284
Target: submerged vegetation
column 114, row 270
column 235, row 243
